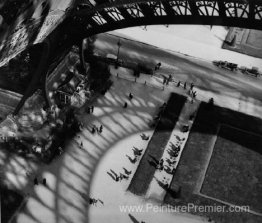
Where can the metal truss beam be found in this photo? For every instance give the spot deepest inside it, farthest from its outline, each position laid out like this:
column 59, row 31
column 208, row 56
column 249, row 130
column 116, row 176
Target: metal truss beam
column 127, row 13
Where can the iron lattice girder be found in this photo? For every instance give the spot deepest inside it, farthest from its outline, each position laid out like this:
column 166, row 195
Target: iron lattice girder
column 242, row 13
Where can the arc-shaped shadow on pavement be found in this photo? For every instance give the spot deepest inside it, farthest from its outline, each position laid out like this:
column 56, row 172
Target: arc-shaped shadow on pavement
column 73, row 171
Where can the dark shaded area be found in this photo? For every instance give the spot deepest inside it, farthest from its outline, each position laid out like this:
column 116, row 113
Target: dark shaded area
column 61, row 135
column 12, row 8
column 218, row 115
column 15, row 75
column 10, row 202
column 82, row 19
column 195, row 158
column 45, row 7
column 37, row 71
column 20, row 148
column 234, row 172
column 145, row 171
column 99, row 76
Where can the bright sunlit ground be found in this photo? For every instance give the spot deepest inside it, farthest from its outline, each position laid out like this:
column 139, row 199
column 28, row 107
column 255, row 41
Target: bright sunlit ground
column 199, row 41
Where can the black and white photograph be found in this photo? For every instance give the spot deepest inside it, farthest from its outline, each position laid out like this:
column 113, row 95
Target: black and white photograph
column 130, row 111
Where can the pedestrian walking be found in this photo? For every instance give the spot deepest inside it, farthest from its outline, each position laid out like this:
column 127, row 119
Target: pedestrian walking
column 92, row 109
column 191, row 86
column 97, row 129
column 178, row 83
column 101, row 129
column 125, row 105
column 126, row 171
column 160, row 165
column 81, row 125
column 117, row 179
column 185, row 85
column 44, row 181
column 164, row 80
column 35, row 181
column 132, row 160
column 123, row 176
column 93, row 130
column 137, row 152
column 144, row 136
column 131, row 96
column 161, row 162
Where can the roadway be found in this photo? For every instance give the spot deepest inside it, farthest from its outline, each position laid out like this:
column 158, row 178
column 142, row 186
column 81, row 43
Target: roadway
column 203, row 73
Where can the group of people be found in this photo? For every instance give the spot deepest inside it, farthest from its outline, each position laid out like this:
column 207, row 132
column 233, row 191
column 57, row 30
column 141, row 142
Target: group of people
column 94, row 201
column 166, row 80
column 192, row 93
column 157, row 67
column 137, row 153
column 144, row 137
column 158, row 164
column 173, row 152
column 90, row 109
column 95, row 129
column 185, row 85
column 36, row 181
column 121, row 176
column 125, row 176
column 130, row 96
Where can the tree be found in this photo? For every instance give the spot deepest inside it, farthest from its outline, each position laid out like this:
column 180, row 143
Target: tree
column 99, row 75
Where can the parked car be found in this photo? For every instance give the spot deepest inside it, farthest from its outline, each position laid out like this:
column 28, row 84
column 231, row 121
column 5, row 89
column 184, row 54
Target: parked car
column 253, row 71
column 111, row 58
column 226, row 65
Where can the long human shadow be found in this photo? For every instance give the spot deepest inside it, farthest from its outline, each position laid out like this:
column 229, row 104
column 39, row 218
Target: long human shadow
column 102, row 151
column 133, row 219
column 223, row 148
